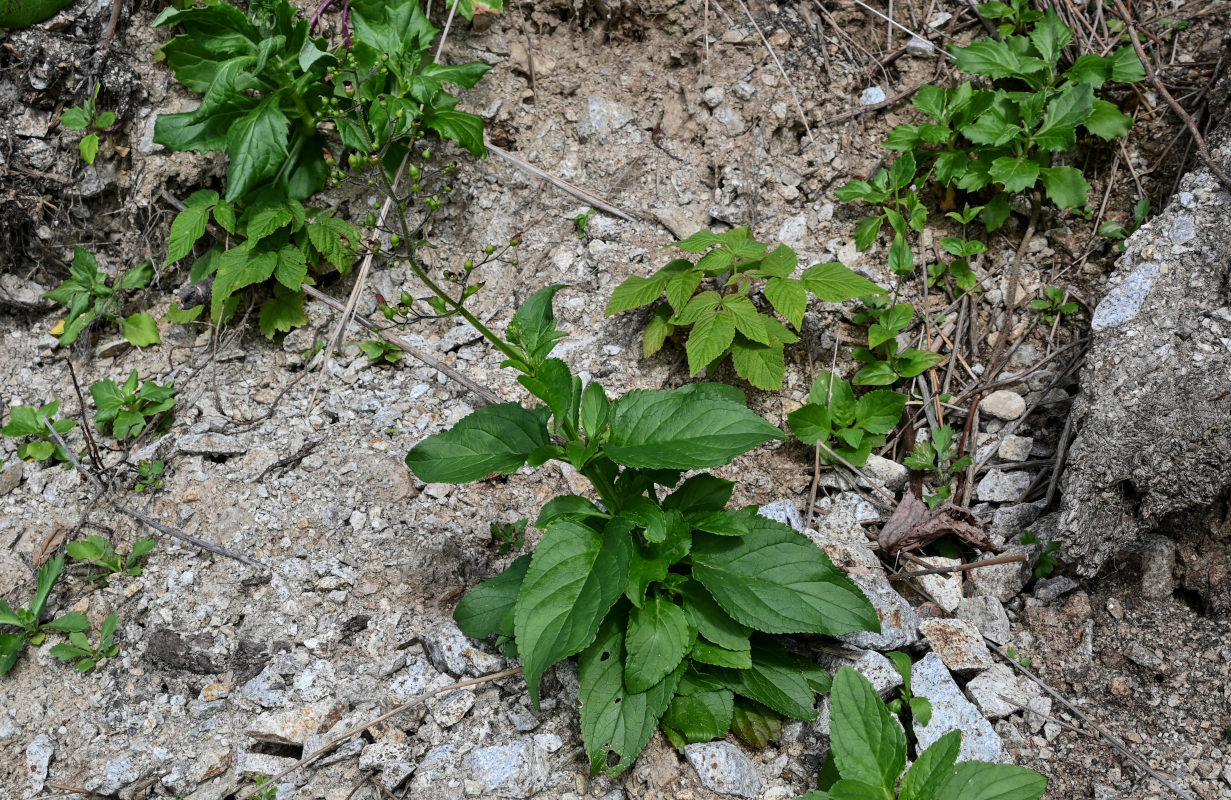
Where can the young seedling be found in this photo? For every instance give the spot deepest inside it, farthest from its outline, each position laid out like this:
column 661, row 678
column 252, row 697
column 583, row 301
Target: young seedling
column 265, row 789
column 1025, row 661
column 711, row 299
column 85, row 655
column 1119, row 231
column 29, row 622
column 380, row 351
column 665, row 597
column 87, row 117
column 937, row 457
column 908, row 708
column 885, row 366
column 127, row 409
column 962, row 248
column 101, row 557
column 581, row 221
column 149, row 476
column 1048, row 559
column 509, row 536
column 867, row 757
column 1053, row 304
column 87, row 296
column 27, row 421
column 850, row 428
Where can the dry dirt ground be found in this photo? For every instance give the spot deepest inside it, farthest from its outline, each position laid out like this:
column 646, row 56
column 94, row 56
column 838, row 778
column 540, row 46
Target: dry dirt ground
column 637, row 104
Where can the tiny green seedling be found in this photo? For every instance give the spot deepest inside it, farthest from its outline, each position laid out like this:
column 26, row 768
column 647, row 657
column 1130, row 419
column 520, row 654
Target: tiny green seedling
column 86, row 295
column 851, row 428
column 884, row 364
column 85, row 655
column 380, row 351
column 127, row 409
column 149, row 476
column 310, row 353
column 509, row 536
column 1046, row 563
column 28, row 620
column 1053, row 304
column 937, row 456
column 27, row 421
column 962, row 249
column 581, row 221
column 101, row 557
column 1011, row 652
column 1119, row 231
column 906, row 706
column 87, row 117
column 721, row 317
column 867, row 757
column 266, row 790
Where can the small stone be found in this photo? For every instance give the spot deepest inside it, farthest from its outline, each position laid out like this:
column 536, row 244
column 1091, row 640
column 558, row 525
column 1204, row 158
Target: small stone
column 1157, row 567
column 393, row 773
column 724, row 768
column 889, row 473
column 1001, row 581
column 295, row 726
column 1003, row 404
column 919, row 47
column 505, row 767
column 951, row 711
column 997, row 692
column 713, row 96
column 945, row 588
column 871, row 96
column 267, row 689
column 879, row 671
column 212, row 444
column 783, row 511
column 1183, row 229
column 449, row 709
column 1187, row 200
column 939, row 19
column 1039, row 708
column 1048, row 589
column 743, row 90
column 1003, row 487
column 899, row 622
column 38, row 756
column 958, row 644
column 602, row 116
column 1015, row 448
column 11, row 477
column 123, row 772
column 1009, row 521
column 451, row 651
column 1123, row 303
column 378, row 754
column 988, row 615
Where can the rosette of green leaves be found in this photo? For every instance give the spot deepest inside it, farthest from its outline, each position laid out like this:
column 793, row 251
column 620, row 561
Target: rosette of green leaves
column 87, row 296
column 711, row 299
column 1005, row 137
column 127, row 409
column 27, row 421
column 884, row 364
column 28, row 620
column 661, row 593
column 938, row 456
column 85, row 655
column 852, row 428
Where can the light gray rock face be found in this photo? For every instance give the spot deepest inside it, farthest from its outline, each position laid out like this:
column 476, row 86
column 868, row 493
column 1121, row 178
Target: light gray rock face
column 1153, row 421
column 899, row 622
column 958, row 643
column 724, row 768
column 951, row 711
column 38, row 756
column 988, row 615
column 997, row 692
column 1002, row 487
column 783, row 511
column 505, row 770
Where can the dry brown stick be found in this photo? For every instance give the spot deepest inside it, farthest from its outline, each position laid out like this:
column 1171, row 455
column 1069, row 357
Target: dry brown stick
column 575, row 191
column 1009, row 559
column 495, row 676
column 1166, row 95
column 534, row 86
column 1062, row 450
column 484, row 394
column 855, row 112
column 1113, row 740
column 73, row 789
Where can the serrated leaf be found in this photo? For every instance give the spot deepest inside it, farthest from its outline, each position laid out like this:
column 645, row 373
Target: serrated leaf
column 754, row 723
column 996, row 212
column 1126, row 66
column 636, row 291
column 810, row 424
column 1070, row 108
column 464, row 128
column 265, row 219
column 335, row 239
column 779, row 262
column 657, row 330
column 700, row 717
column 257, row 145
column 495, row 438
column 699, row 242
column 762, row 365
column 831, row 392
column 978, row 780
column 711, row 335
column 533, row 327
column 140, row 330
column 1016, row 174
column 482, row 611
column 705, row 653
column 187, row 227
column 789, row 298
column 989, row 57
column 575, row 576
column 556, row 386
column 834, row 282
column 702, row 492
column 659, row 635
column 931, row 100
column 774, row 680
column 931, row 768
column 880, row 411
column 680, row 287
column 1091, row 69
column 867, row 230
column 1106, row 121
column 868, row 744
column 1050, row 36
column 748, row 321
column 237, row 268
column 777, row 580
column 1065, row 186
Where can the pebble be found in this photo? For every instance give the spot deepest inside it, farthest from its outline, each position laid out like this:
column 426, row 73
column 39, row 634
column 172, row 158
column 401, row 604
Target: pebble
column 1048, row 589
column 123, row 772
column 1157, row 567
column 1009, row 521
column 504, row 768
column 899, row 622
column 997, row 692
column 919, row 47
column 602, row 116
column 885, row 471
column 958, row 644
column 1015, row 448
column 38, row 756
column 1183, row 229
column 713, row 96
column 449, row 709
column 295, row 726
column 212, row 444
column 1003, row 487
column 724, row 768
column 451, row 651
column 11, row 477
column 945, row 588
column 988, row 615
column 871, row 96
column 743, row 90
column 1003, row 404
column 1001, row 581
column 952, row 711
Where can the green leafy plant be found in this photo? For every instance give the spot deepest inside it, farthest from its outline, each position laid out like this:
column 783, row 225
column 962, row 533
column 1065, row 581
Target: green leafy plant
column 662, row 594
column 101, row 557
column 1119, row 231
column 87, row 296
column 149, row 476
column 1004, row 137
column 1012, row 653
column 266, row 790
column 87, row 117
column 381, row 351
column 906, row 706
column 867, row 757
column 884, row 364
column 852, row 428
column 29, row 622
column 962, row 249
column 721, row 317
column 127, row 409
column 581, row 221
column 1053, row 304
column 277, row 101
column 27, row 421
column 938, row 457
column 1046, row 563
column 78, row 648
column 509, row 536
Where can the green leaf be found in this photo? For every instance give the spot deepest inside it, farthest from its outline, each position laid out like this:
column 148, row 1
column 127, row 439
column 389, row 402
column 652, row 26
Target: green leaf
column 777, row 580
column 257, row 146
column 49, row 573
column 868, row 744
column 1106, row 121
column 681, row 286
column 75, row 118
column 72, row 622
column 495, row 438
column 1050, row 36
column 556, row 386
column 335, row 239
column 11, row 647
column 773, row 680
column 651, row 560
column 702, row 492
column 699, row 242
column 710, row 620
column 789, row 298
column 1091, row 69
column 575, row 576
column 679, row 429
column 636, row 291
column 997, row 210
column 833, row 282
column 995, row 59
column 748, row 321
column 700, row 717
column 659, row 635
column 978, row 780
column 533, row 327
column 901, row 259
column 567, row 505
column 187, row 227
column 483, row 610
column 711, row 335
column 1126, row 66
column 931, row 100
column 931, row 768
column 867, row 230
column 1065, row 112
column 657, row 330
column 88, row 147
column 754, row 723
column 779, row 262
column 990, row 129
column 266, row 218
column 463, row 128
column 705, row 653
column 615, row 723
column 1065, row 186
column 810, row 424
column 763, row 366
column 595, row 409
column 1016, row 174
column 240, row 267
column 832, row 393
column 880, row 411
column 140, row 330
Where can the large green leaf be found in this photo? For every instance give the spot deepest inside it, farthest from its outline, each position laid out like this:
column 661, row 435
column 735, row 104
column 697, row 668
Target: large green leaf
column 257, row 146
column 931, row 768
column 868, row 743
column 711, row 335
column 1066, row 186
column 1106, row 121
column 483, row 610
column 1064, row 113
column 777, row 580
column 1015, row 174
column 702, row 716
column 574, row 578
column 880, row 411
column 711, row 621
column 979, row 780
column 496, row 438
column 616, row 723
column 658, row 429
column 774, row 681
column 533, row 327
column 754, row 723
column 834, row 282
column 636, row 291
column 463, row 128
column 659, row 635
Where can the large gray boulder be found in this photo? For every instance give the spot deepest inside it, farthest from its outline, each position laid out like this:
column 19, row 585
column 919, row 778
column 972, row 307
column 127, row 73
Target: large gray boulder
column 1153, row 448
